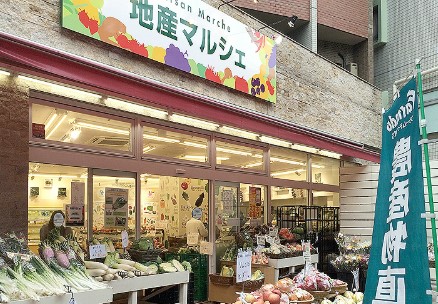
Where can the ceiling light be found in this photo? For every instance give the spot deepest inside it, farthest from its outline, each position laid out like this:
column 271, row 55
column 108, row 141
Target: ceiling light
column 318, row 166
column 135, row 108
column 53, row 175
column 6, row 73
column 193, row 144
column 101, row 128
column 162, row 139
column 286, row 161
column 196, row 157
column 75, row 132
column 330, row 154
column 231, row 151
column 287, row 172
column 193, row 122
column 148, row 149
column 304, row 148
column 238, row 132
column 252, row 165
column 57, row 125
column 275, row 141
column 51, row 120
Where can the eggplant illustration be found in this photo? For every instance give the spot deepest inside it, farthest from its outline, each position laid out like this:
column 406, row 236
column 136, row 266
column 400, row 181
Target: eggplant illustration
column 119, row 203
column 199, row 200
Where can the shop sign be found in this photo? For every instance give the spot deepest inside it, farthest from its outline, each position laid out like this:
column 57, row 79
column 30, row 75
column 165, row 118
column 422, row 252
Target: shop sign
column 74, row 215
column 116, row 207
column 243, row 265
column 398, row 270
column 191, row 36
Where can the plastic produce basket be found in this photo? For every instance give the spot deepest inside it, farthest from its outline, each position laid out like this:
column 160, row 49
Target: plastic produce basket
column 199, row 264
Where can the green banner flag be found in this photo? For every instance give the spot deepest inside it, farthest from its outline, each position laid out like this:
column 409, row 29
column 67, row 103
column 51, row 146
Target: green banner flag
column 398, row 271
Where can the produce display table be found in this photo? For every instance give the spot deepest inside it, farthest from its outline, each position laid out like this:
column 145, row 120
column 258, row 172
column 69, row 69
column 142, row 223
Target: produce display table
column 267, row 270
column 97, row 296
column 290, row 263
column 133, row 285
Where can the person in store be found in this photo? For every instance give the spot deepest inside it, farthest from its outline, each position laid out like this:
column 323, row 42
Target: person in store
column 57, row 220
column 195, row 225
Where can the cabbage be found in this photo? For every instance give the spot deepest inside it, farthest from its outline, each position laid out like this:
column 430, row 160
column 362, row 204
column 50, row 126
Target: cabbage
column 177, row 265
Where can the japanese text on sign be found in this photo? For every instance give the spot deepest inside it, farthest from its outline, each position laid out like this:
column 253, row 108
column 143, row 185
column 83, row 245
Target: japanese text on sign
column 97, row 251
column 243, row 268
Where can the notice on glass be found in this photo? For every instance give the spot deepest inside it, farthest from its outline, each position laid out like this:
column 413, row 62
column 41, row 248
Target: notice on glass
column 116, row 208
column 255, row 202
column 243, row 266
column 74, row 215
column 227, row 201
column 206, row 248
column 77, row 193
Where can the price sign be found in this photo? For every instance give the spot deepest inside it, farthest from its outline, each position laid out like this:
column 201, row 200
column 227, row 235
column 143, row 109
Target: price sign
column 206, row 248
column 261, row 239
column 125, row 239
column 192, row 239
column 243, row 266
column 306, row 252
column 273, row 231
column 97, row 251
column 269, row 239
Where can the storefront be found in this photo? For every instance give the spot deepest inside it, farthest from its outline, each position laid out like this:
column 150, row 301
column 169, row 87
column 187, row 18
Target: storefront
column 118, row 148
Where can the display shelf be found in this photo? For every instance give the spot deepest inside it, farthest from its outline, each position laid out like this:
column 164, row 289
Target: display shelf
column 97, row 296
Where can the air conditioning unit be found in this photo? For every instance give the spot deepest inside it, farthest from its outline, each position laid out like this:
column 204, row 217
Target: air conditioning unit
column 352, row 68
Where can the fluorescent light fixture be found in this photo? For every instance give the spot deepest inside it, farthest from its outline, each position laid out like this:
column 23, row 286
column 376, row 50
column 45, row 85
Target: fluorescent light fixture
column 286, row 161
column 57, row 125
column 5, row 73
column 304, row 148
column 238, row 132
column 75, row 132
column 148, row 149
column 330, row 154
column 51, row 120
column 185, row 120
column 196, row 157
column 57, row 86
column 53, row 175
column 193, row 144
column 318, row 166
column 231, row 151
column 135, row 108
column 87, row 125
column 158, row 138
column 252, row 165
column 275, row 141
column 287, row 172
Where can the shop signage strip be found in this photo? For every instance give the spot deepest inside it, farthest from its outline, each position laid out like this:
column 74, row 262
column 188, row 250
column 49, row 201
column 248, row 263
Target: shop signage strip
column 399, row 270
column 188, row 35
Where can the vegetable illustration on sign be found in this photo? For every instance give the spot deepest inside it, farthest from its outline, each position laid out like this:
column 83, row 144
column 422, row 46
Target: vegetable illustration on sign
column 195, row 38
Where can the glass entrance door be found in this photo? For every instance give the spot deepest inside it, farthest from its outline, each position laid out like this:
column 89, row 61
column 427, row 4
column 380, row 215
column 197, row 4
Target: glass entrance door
column 114, row 205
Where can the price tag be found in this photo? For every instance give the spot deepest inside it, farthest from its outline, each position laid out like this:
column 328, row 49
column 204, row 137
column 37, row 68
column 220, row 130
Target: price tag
column 306, row 252
column 243, row 266
column 206, row 248
column 125, row 239
column 261, row 239
column 97, row 251
column 273, row 231
column 192, row 239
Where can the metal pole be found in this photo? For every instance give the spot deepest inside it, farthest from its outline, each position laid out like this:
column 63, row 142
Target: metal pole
column 427, row 163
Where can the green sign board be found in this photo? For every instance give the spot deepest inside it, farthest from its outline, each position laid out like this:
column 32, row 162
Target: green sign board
column 188, row 35
column 398, row 271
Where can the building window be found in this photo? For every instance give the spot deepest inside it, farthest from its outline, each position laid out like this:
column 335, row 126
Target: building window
column 244, row 157
column 325, row 170
column 288, row 164
column 380, row 22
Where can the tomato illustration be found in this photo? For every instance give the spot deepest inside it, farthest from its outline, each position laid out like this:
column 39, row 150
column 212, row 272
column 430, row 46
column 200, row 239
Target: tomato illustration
column 184, row 185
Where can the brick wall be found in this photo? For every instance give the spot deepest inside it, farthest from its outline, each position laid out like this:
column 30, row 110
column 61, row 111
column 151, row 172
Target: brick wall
column 300, row 8
column 14, row 158
column 350, row 16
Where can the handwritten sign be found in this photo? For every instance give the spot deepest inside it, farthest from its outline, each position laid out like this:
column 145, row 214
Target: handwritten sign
column 192, row 239
column 273, row 231
column 206, row 248
column 77, row 193
column 97, row 251
column 125, row 239
column 306, row 252
column 269, row 239
column 243, row 266
column 261, row 239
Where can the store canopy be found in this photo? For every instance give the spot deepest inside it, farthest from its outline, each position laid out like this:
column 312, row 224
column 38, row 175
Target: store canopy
column 31, row 58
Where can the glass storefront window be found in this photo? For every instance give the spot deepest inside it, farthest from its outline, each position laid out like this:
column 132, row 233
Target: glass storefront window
column 288, row 164
column 325, row 199
column 244, row 157
column 51, row 188
column 165, row 143
column 252, row 203
column 61, row 125
column 168, row 204
column 283, row 197
column 113, row 207
column 325, row 170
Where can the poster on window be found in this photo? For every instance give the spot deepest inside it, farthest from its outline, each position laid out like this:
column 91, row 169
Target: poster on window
column 74, row 215
column 116, row 208
column 228, row 201
column 255, row 202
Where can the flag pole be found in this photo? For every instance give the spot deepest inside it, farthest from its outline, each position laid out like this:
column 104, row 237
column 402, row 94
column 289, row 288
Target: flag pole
column 427, row 163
